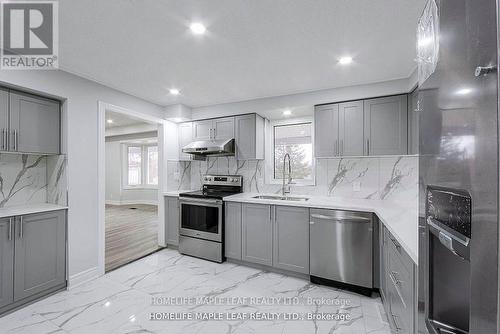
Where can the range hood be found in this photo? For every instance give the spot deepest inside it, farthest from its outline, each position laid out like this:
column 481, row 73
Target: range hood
column 210, row 147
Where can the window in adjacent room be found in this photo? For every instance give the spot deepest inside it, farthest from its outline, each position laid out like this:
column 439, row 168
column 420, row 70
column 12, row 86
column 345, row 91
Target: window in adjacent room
column 296, row 140
column 141, row 166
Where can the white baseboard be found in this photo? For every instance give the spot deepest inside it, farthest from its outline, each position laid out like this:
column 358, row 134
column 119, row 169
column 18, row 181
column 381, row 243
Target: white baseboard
column 148, row 202
column 83, row 277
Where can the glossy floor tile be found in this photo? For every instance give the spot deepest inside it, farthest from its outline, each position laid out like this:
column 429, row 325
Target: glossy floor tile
column 141, row 296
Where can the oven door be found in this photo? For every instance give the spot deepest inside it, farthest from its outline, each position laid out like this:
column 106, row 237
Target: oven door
column 201, row 218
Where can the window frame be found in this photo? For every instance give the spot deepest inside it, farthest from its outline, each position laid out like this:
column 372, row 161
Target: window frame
column 271, row 156
column 144, row 166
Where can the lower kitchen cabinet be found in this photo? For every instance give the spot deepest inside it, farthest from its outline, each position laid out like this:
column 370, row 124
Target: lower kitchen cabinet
column 398, row 284
column 257, row 233
column 232, row 232
column 33, row 257
column 172, row 220
column 6, row 262
column 291, row 238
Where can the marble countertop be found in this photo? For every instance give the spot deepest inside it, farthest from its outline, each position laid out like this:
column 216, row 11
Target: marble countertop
column 400, row 218
column 19, row 210
column 174, row 193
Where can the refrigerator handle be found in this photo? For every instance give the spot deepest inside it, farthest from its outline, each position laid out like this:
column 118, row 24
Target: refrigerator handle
column 483, row 70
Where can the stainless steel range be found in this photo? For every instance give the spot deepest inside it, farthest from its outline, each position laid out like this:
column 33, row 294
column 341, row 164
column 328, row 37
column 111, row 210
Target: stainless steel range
column 201, row 228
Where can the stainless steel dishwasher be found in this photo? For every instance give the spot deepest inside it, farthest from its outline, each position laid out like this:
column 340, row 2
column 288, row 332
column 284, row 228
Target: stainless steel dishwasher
column 341, row 249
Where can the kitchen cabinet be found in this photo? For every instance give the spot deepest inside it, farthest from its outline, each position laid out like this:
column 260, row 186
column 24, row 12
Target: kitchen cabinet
column 398, row 285
column 172, row 220
column 232, row 236
column 257, row 233
column 326, row 125
column 291, row 238
column 214, row 129
column 4, row 119
column 6, row 262
column 249, row 137
column 351, row 120
column 185, row 137
column 413, row 122
column 34, row 124
column 40, row 253
column 385, row 125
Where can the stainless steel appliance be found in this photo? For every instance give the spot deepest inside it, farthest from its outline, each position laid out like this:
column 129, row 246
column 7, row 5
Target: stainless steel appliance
column 201, row 228
column 458, row 107
column 210, row 148
column 448, row 217
column 341, row 249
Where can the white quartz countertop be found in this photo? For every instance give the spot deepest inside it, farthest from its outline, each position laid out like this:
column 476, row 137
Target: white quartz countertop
column 400, row 218
column 19, row 210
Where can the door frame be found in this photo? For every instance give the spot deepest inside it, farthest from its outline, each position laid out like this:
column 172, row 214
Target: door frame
column 101, row 175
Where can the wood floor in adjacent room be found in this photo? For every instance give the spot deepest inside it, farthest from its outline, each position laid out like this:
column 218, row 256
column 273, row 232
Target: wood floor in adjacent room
column 131, row 233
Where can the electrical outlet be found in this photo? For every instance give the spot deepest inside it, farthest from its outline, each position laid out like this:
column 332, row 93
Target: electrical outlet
column 356, row 186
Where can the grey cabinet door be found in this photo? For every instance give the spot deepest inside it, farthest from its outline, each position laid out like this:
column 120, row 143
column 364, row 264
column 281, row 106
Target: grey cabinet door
column 246, row 144
column 232, row 237
column 185, row 137
column 257, row 233
column 172, row 218
column 34, row 124
column 4, row 119
column 202, row 130
column 413, row 122
column 386, row 125
column 40, row 248
column 291, row 239
column 326, row 131
column 6, row 262
column 351, row 126
column 223, row 128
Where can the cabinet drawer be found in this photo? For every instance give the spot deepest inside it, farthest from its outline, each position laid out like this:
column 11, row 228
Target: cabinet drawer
column 393, row 244
column 400, row 320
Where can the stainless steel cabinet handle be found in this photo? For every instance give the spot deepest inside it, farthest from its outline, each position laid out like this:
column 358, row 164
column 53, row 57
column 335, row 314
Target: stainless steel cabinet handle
column 482, row 70
column 11, row 225
column 396, row 244
column 394, row 278
column 16, row 140
column 215, row 133
column 21, row 227
column 342, row 147
column 3, row 140
column 368, row 147
column 336, row 147
column 350, row 218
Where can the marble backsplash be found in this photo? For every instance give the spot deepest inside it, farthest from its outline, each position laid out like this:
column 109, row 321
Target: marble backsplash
column 29, row 179
column 394, row 177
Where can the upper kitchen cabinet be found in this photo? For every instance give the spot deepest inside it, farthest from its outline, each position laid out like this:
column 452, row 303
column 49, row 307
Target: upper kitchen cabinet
column 214, row 129
column 386, row 127
column 351, row 136
column 185, row 137
column 4, row 119
column 326, row 125
column 34, row 124
column 249, row 136
column 202, row 130
column 413, row 122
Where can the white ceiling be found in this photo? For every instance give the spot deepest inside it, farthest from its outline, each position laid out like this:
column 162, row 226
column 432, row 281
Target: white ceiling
column 121, row 120
column 252, row 49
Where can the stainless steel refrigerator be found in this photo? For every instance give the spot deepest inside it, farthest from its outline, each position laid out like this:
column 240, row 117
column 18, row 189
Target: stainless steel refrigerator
column 458, row 167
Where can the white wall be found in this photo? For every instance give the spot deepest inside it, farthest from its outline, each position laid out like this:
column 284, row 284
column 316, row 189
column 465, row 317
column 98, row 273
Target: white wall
column 81, row 115
column 115, row 193
column 266, row 106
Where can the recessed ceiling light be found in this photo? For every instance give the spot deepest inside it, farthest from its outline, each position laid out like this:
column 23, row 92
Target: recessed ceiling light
column 109, row 121
column 287, row 112
column 463, row 91
column 345, row 60
column 174, row 91
column 197, row 28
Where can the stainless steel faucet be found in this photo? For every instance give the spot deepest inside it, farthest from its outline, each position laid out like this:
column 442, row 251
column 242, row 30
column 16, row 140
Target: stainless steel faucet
column 286, row 189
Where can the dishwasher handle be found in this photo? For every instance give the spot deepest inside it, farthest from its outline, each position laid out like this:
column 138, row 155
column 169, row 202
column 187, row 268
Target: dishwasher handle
column 346, row 219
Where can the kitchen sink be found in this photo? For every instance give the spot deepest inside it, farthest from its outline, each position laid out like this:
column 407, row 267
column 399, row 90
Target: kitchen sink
column 281, row 198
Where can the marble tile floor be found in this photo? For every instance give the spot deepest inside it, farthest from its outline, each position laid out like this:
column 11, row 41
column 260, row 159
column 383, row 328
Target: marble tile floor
column 138, row 297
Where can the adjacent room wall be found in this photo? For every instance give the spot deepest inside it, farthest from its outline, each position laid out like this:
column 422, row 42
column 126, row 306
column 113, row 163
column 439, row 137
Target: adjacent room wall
column 80, row 109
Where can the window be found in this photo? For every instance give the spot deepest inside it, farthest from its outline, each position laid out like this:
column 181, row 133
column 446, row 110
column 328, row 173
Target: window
column 141, row 166
column 296, row 140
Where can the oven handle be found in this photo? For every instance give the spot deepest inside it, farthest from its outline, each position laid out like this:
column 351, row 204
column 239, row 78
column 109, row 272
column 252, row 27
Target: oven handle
column 200, row 201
